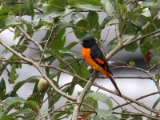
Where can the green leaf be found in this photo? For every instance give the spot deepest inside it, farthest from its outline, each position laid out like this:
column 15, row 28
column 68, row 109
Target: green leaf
column 31, row 104
column 156, row 103
column 71, row 45
column 103, row 115
column 36, row 96
column 151, row 28
column 19, row 48
column 91, row 2
column 155, row 59
column 132, row 63
column 18, row 85
column 137, row 117
column 91, row 102
column 146, row 45
column 13, row 74
column 127, row 27
column 3, row 15
column 55, row 98
column 81, row 29
column 101, row 97
column 5, row 117
column 113, row 117
column 56, row 5
column 131, row 47
column 2, row 88
column 89, row 7
column 28, row 7
column 92, row 19
column 124, row 116
column 12, row 20
column 59, row 41
column 108, row 7
column 12, row 101
column 112, row 44
column 140, row 20
column 77, row 17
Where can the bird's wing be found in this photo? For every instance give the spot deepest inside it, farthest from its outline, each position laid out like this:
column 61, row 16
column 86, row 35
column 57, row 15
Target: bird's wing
column 99, row 58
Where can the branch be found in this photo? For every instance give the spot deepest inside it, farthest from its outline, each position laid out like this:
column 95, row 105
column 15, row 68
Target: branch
column 142, row 97
column 108, row 90
column 128, row 98
column 29, row 38
column 103, row 88
column 125, row 43
column 81, row 97
column 137, row 114
column 30, row 61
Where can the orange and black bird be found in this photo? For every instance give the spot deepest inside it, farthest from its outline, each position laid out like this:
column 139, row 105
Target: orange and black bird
column 92, row 54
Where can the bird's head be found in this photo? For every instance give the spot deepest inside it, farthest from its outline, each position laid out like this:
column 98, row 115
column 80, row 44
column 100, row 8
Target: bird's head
column 88, row 41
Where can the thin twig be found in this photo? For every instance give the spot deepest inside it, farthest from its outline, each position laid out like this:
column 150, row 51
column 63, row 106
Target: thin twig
column 29, row 38
column 142, row 97
column 137, row 114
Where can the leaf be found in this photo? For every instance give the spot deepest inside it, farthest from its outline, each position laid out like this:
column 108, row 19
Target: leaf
column 101, row 97
column 31, row 104
column 55, row 98
column 2, row 89
column 108, row 7
column 131, row 47
column 155, row 60
column 13, row 74
column 92, row 19
column 77, row 17
column 146, row 45
column 124, row 116
column 112, row 44
column 12, row 101
column 71, row 45
column 89, row 7
column 59, row 41
column 18, row 85
column 81, row 29
column 140, row 20
column 137, row 117
column 56, row 5
column 151, row 28
column 91, row 2
column 19, row 48
column 12, row 20
column 28, row 7
column 103, row 115
column 5, row 117
column 132, row 63
column 36, row 97
column 127, row 27
column 91, row 102
column 4, row 10
column 156, row 103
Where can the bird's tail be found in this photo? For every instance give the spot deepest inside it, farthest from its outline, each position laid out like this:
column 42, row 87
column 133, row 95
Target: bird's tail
column 113, row 82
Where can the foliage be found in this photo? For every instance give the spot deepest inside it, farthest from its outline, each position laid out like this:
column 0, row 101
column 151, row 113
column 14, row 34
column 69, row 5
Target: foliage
column 136, row 29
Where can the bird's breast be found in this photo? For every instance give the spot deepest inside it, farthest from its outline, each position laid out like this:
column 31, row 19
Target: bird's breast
column 87, row 57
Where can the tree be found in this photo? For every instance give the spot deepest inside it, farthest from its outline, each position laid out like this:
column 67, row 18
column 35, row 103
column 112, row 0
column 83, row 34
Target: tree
column 134, row 30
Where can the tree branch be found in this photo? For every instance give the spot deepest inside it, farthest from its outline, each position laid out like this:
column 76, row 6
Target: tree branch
column 125, row 43
column 81, row 97
column 142, row 97
column 29, row 38
column 30, row 61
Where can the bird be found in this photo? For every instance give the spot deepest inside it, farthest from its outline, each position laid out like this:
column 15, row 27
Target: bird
column 92, row 54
